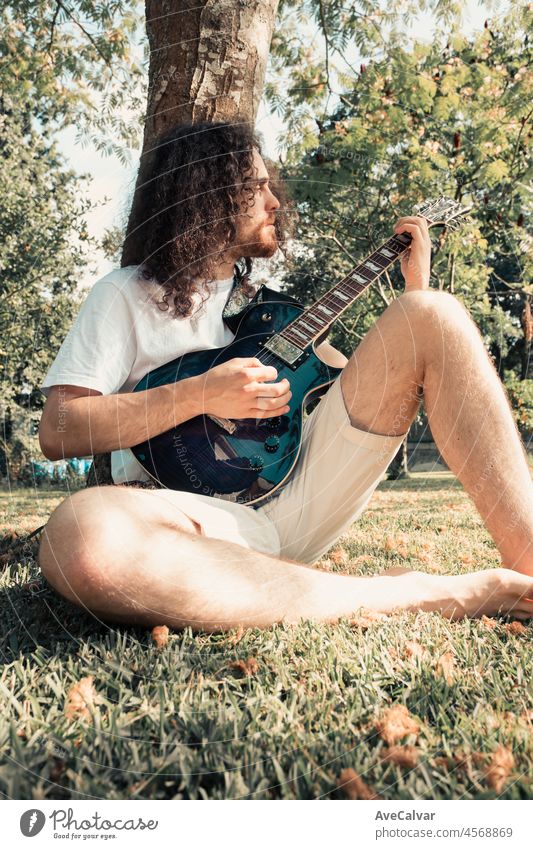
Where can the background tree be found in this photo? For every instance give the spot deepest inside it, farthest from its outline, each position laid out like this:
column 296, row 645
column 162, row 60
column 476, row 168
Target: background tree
column 316, row 41
column 40, row 264
column 75, row 62
column 61, row 64
column 448, row 118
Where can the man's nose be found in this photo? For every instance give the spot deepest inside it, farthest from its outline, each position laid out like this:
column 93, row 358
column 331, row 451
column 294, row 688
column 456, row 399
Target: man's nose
column 272, row 201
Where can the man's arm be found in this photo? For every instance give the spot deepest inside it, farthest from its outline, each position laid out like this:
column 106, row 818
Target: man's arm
column 77, row 421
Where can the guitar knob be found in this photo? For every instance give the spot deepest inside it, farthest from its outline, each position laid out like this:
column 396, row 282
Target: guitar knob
column 273, row 423
column 272, row 443
column 267, row 316
column 256, row 463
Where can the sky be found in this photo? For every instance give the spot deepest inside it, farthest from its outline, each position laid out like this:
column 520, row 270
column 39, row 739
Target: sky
column 112, row 184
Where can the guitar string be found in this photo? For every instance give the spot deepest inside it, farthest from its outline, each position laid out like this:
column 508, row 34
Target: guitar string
column 329, row 300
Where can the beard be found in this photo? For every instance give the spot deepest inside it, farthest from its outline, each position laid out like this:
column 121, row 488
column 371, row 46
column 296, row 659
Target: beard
column 261, row 242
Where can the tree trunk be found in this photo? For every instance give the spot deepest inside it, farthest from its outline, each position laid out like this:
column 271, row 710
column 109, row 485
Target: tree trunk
column 398, row 466
column 527, row 327
column 207, row 63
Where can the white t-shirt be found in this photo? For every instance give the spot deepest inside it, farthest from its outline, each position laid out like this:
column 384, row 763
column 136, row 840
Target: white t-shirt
column 120, row 334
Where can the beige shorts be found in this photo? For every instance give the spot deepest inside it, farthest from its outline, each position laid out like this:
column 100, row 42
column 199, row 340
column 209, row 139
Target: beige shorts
column 337, row 471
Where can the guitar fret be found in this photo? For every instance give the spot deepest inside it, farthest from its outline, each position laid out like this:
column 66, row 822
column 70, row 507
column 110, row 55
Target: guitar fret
column 340, row 294
column 307, row 326
column 338, row 305
column 373, row 266
column 309, row 321
column 400, row 244
column 353, row 293
column 366, row 273
column 319, row 321
column 336, row 301
column 298, row 332
column 380, row 260
column 291, row 328
column 310, row 316
column 288, row 334
column 359, row 278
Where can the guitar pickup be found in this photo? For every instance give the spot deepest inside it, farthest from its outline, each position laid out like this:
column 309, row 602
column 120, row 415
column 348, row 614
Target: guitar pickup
column 282, row 348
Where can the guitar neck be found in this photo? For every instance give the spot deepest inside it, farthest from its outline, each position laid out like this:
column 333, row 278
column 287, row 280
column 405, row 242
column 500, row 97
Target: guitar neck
column 314, row 320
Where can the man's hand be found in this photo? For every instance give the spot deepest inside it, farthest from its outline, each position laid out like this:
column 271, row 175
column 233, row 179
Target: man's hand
column 237, row 389
column 416, row 261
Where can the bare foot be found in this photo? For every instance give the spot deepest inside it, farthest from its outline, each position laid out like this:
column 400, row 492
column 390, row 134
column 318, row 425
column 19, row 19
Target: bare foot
column 489, row 592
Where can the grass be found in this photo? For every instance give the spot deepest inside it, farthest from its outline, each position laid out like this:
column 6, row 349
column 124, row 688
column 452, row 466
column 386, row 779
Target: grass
column 306, row 719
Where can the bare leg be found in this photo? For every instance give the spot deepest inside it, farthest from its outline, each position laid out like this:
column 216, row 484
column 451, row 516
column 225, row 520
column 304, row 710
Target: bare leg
column 426, row 342
column 129, row 556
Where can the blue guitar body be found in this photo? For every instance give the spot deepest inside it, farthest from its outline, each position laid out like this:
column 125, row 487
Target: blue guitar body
column 253, row 461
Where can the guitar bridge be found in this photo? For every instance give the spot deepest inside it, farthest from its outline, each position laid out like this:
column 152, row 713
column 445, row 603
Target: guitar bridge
column 226, row 424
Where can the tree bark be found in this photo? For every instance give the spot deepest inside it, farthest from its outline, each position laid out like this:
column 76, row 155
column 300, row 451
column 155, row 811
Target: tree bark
column 207, row 63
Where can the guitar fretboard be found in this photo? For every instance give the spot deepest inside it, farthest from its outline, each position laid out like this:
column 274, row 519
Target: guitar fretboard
column 314, row 320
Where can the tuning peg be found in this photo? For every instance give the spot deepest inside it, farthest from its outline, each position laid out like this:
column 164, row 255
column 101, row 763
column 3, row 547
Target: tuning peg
column 423, row 209
column 424, row 204
column 457, row 223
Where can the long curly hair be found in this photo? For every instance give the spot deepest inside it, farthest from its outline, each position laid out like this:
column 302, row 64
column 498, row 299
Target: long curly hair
column 188, row 206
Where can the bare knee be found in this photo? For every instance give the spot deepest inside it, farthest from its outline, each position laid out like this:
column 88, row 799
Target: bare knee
column 95, row 539
column 438, row 323
column 433, row 304
column 78, row 543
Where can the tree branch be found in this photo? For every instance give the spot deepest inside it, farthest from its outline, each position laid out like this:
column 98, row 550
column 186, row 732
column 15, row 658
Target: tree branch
column 84, row 31
column 512, row 286
column 52, row 30
column 526, row 119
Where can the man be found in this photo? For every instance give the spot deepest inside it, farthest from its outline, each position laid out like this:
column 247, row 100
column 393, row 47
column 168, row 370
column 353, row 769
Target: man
column 154, row 556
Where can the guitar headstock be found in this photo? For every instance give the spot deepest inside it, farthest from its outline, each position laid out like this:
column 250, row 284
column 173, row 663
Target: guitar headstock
column 443, row 211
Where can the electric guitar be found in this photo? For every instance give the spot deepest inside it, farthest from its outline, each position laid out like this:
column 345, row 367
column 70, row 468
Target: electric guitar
column 248, row 460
